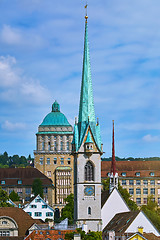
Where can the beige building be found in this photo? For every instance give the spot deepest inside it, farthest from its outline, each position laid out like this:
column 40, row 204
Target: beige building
column 140, row 178
column 53, row 153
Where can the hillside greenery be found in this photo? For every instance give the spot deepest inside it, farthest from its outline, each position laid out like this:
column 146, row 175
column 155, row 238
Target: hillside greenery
column 132, row 159
column 14, row 161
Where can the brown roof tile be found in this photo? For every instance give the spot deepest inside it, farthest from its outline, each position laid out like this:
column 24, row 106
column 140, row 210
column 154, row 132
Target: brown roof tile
column 27, row 175
column 131, row 167
column 23, row 220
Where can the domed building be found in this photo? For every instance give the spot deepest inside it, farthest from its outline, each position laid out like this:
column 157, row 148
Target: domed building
column 53, row 154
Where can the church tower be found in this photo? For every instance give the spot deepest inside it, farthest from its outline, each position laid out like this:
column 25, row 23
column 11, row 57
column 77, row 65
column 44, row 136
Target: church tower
column 113, row 174
column 87, row 151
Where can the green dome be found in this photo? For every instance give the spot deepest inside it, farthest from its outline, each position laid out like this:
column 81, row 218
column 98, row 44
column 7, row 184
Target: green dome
column 55, row 118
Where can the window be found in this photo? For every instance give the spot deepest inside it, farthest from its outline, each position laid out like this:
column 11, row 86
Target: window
column 158, row 201
column 48, row 161
column 123, row 182
column 4, row 222
column 158, row 191
column 29, row 213
column 138, row 174
column 19, row 181
column 37, row 214
column 4, row 233
column 158, row 182
column 45, row 190
column 61, row 145
column 145, row 200
column 131, row 191
column 49, row 146
column 33, row 206
column 123, row 174
column 152, row 190
column 3, row 182
column 69, row 161
column 49, row 174
column 55, row 160
column 152, row 182
column 41, row 161
column 138, row 182
column 89, row 171
column 131, row 182
column 28, row 190
column 138, row 191
column 67, row 145
column 89, row 210
column 145, row 190
column 152, row 174
column 44, row 206
column 38, row 200
column 49, row 214
column 62, row 161
column 138, row 200
column 145, row 182
column 27, row 199
column 19, row 190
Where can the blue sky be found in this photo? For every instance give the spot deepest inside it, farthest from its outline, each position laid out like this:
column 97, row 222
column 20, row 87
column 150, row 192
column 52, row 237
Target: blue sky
column 41, row 52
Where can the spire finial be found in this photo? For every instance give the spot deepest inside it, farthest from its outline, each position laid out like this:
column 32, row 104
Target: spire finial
column 86, row 17
column 113, row 166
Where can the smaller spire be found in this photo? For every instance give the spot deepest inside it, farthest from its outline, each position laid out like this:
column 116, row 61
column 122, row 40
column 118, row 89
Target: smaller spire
column 113, row 166
column 86, row 17
column 55, row 107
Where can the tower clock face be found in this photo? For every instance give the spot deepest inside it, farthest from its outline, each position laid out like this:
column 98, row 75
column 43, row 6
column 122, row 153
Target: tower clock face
column 89, row 191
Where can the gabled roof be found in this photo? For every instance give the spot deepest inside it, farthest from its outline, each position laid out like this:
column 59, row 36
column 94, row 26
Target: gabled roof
column 104, row 196
column 27, row 175
column 121, row 221
column 137, row 234
column 23, row 220
column 43, row 202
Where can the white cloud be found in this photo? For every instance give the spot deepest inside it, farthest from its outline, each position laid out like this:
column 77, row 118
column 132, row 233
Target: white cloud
column 10, row 35
column 150, row 138
column 9, row 126
column 16, row 87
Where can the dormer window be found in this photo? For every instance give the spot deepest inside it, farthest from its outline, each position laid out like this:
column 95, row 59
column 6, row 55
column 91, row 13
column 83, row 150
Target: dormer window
column 19, row 181
column 152, row 174
column 123, row 174
column 3, row 182
column 138, row 174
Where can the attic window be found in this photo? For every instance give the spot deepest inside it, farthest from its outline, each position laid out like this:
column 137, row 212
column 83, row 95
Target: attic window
column 138, row 174
column 3, row 182
column 19, row 181
column 123, row 174
column 152, row 174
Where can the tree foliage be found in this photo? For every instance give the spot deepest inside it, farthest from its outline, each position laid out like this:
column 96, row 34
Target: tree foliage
column 68, row 210
column 37, row 187
column 14, row 196
column 14, row 161
column 4, row 198
column 84, row 236
column 152, row 211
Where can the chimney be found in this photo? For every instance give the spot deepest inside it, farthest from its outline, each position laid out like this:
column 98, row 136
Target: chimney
column 140, row 230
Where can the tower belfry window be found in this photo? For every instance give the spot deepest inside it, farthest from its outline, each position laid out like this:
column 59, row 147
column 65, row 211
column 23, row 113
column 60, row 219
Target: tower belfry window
column 89, row 171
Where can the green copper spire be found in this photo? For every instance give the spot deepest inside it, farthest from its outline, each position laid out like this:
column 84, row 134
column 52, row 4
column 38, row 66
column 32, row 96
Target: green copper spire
column 86, row 107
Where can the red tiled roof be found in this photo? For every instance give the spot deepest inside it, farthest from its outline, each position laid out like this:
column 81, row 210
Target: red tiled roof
column 27, row 175
column 51, row 234
column 131, row 167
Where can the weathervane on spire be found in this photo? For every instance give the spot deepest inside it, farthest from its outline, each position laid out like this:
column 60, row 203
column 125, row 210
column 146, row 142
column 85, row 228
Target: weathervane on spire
column 86, row 17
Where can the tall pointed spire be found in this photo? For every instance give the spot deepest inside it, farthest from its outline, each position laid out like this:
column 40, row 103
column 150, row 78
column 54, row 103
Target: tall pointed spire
column 113, row 174
column 113, row 165
column 86, row 107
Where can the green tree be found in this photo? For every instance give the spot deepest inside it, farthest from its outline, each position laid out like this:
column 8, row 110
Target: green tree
column 84, row 236
column 68, row 210
column 37, row 187
column 14, row 196
column 152, row 212
column 3, row 199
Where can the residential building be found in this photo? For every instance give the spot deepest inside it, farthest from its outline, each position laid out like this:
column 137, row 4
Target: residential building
column 140, row 178
column 21, row 179
column 14, row 222
column 128, row 222
column 53, row 153
column 39, row 209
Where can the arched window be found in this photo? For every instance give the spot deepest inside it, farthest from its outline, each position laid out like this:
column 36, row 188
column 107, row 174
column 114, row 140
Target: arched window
column 89, row 210
column 89, row 171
